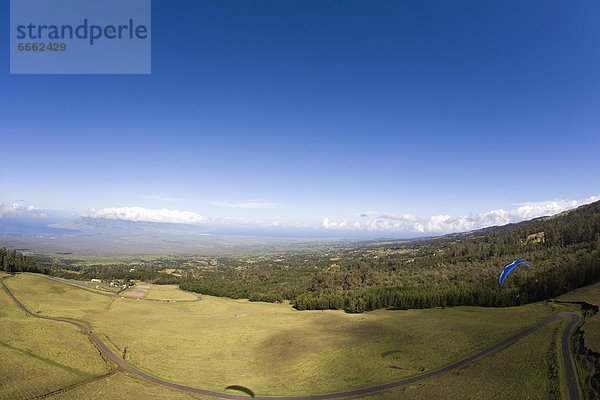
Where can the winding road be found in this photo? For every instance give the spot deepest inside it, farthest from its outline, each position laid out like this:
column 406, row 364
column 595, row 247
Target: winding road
column 570, row 370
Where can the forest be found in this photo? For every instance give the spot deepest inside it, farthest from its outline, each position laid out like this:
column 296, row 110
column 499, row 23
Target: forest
column 12, row 261
column 452, row 270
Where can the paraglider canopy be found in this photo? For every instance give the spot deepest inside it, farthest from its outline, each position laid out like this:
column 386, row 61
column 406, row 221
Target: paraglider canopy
column 507, row 270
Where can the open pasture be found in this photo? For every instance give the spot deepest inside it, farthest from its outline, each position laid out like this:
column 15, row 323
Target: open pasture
column 528, row 369
column 39, row 356
column 170, row 293
column 271, row 348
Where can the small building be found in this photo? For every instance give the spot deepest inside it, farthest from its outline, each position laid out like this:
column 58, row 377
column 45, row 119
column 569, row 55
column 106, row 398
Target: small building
column 96, row 280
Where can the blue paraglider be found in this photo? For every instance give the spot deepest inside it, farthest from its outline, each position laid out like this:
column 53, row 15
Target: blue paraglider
column 508, row 269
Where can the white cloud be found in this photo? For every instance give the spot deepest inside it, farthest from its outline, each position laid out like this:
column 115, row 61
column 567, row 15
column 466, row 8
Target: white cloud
column 449, row 224
column 368, row 222
column 10, row 210
column 149, row 215
column 18, row 210
column 328, row 224
column 253, row 204
column 173, row 216
column 401, row 217
column 369, row 213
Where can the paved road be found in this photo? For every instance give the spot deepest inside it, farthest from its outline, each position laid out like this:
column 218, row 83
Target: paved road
column 570, row 369
column 572, row 380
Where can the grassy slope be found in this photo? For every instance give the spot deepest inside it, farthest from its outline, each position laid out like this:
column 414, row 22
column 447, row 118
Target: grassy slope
column 123, row 387
column 169, row 292
column 521, row 371
column 272, row 349
column 40, row 354
column 591, row 327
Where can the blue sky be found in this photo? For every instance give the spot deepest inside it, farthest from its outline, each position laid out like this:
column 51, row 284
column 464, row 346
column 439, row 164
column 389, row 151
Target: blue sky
column 317, row 112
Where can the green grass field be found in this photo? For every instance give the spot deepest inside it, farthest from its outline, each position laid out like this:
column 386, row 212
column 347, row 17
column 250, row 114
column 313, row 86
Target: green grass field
column 527, row 369
column 120, row 386
column 591, row 327
column 271, row 348
column 169, row 292
column 37, row 356
column 94, row 287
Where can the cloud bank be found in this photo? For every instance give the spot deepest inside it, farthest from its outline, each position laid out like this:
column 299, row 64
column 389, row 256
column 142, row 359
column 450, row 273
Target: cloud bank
column 165, row 215
column 17, row 210
column 149, row 215
column 367, row 222
column 449, row 224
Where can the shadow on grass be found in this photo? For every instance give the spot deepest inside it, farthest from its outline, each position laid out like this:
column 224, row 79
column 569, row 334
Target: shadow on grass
column 397, row 367
column 240, row 389
column 48, row 361
column 320, row 354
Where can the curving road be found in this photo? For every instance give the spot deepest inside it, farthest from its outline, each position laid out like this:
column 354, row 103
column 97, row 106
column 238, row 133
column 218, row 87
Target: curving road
column 571, row 371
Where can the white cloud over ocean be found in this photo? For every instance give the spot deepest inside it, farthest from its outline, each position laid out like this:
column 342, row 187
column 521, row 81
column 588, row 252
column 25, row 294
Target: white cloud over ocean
column 149, row 215
column 165, row 215
column 366, row 222
column 17, row 209
column 403, row 222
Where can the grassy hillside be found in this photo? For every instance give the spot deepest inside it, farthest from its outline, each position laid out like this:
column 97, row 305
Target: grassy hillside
column 170, row 293
column 40, row 356
column 529, row 369
column 271, row 348
column 123, row 387
column 591, row 327
column 587, row 341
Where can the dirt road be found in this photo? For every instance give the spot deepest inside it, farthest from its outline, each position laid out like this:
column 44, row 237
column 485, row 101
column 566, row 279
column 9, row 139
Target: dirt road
column 571, row 374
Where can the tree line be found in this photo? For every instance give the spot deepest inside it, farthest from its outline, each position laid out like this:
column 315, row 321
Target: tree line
column 458, row 269
column 12, row 261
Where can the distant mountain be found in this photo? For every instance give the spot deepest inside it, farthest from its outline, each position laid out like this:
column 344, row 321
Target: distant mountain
column 116, row 227
column 103, row 236
column 107, row 236
column 107, row 226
